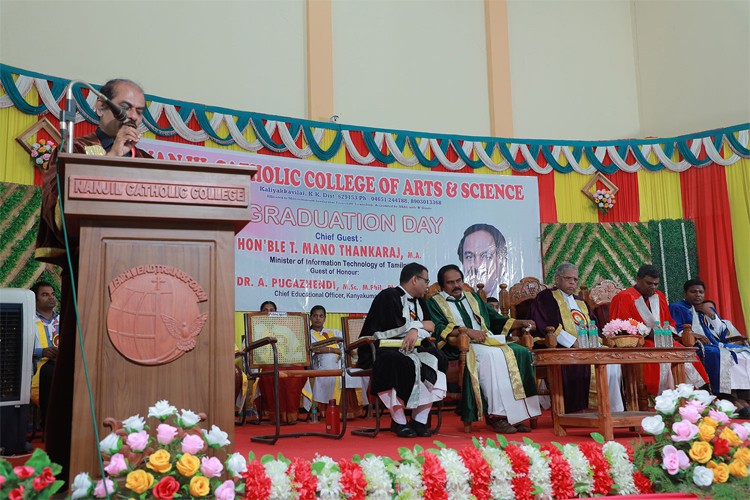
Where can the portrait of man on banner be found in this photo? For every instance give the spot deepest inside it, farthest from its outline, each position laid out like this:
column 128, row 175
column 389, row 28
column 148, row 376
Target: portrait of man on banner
column 483, row 253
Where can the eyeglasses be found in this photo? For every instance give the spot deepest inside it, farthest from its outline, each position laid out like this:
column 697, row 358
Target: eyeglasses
column 426, row 280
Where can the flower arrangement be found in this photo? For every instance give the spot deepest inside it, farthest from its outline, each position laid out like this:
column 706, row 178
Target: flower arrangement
column 41, row 152
column 34, row 479
column 604, row 200
column 485, row 470
column 696, row 448
column 624, row 327
column 172, row 461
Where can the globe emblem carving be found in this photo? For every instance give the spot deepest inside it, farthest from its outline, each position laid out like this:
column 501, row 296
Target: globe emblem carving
column 154, row 316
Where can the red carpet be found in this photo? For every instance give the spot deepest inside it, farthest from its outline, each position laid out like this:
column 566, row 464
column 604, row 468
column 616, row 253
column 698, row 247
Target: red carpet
column 387, row 443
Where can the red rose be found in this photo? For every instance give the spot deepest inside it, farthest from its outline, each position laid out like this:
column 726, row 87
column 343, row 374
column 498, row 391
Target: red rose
column 44, row 479
column 16, row 494
column 24, row 471
column 721, row 447
column 166, row 488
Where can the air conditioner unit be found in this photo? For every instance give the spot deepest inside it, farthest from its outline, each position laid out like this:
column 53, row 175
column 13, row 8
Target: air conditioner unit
column 17, row 339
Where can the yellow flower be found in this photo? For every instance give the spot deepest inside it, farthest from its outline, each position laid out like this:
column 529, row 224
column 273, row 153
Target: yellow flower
column 743, row 455
column 737, row 469
column 701, row 452
column 730, row 436
column 710, row 421
column 721, row 471
column 188, row 464
column 139, row 481
column 160, row 461
column 706, row 431
column 199, row 486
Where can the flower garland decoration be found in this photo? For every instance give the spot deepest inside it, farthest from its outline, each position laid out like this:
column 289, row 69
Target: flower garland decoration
column 580, row 470
column 521, row 464
column 621, row 467
column 539, row 473
column 502, row 471
column 455, row 473
column 353, row 482
column 34, row 479
column 603, row 482
column 479, row 470
column 697, row 448
column 379, row 481
column 604, row 200
column 328, row 474
column 560, row 473
column 41, row 151
column 171, row 460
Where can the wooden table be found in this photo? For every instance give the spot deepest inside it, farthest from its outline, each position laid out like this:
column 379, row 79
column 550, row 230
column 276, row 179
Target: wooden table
column 630, row 359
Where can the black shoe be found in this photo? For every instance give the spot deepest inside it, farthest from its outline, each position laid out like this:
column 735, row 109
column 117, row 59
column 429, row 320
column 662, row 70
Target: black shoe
column 744, row 413
column 402, row 430
column 522, row 428
column 420, row 429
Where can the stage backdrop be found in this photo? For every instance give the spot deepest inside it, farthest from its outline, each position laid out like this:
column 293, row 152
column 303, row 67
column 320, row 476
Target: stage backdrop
column 337, row 234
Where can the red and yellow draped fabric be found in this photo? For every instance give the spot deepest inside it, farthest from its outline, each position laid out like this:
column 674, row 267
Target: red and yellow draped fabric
column 715, row 194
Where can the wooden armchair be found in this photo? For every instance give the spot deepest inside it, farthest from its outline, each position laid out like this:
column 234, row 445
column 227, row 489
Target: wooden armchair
column 599, row 298
column 522, row 294
column 278, row 339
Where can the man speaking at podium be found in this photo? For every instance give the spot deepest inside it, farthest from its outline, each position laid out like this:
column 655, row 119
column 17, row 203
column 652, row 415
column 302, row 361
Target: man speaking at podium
column 117, row 135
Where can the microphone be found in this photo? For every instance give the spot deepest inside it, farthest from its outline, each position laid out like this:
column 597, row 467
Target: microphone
column 120, row 114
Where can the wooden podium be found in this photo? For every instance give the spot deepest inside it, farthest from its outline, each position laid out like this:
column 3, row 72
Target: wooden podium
column 155, row 288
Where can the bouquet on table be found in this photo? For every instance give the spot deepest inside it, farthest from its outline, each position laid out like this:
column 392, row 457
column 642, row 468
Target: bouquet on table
column 627, row 332
column 173, row 462
column 697, row 448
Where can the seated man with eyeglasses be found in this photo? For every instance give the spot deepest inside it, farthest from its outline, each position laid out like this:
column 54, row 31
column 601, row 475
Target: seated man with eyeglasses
column 408, row 371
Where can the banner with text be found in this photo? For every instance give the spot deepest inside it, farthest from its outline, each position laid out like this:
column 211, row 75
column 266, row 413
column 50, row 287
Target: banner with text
column 336, row 235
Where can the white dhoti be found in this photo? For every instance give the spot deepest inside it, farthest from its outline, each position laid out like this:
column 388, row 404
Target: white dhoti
column 427, row 395
column 494, row 381
column 324, row 388
column 741, row 371
column 614, row 380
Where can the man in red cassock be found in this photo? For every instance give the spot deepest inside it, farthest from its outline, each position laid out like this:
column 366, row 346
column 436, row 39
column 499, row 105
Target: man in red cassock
column 643, row 302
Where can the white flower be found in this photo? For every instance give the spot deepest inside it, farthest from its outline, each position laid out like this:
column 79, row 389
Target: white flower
column 81, row 486
column 379, row 482
column 236, row 464
column 457, row 476
column 281, row 484
column 161, row 410
column 621, row 468
column 216, row 437
column 666, row 403
column 725, row 406
column 704, row 397
column 409, row 481
column 653, row 425
column 703, row 476
column 329, row 479
column 110, row 444
column 188, row 419
column 501, row 475
column 134, row 424
column 539, row 472
column 580, row 469
column 685, row 390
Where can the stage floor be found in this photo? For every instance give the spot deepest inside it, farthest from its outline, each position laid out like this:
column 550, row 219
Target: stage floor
column 387, row 444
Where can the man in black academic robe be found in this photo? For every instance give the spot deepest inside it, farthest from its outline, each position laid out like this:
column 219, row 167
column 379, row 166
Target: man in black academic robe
column 408, row 371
